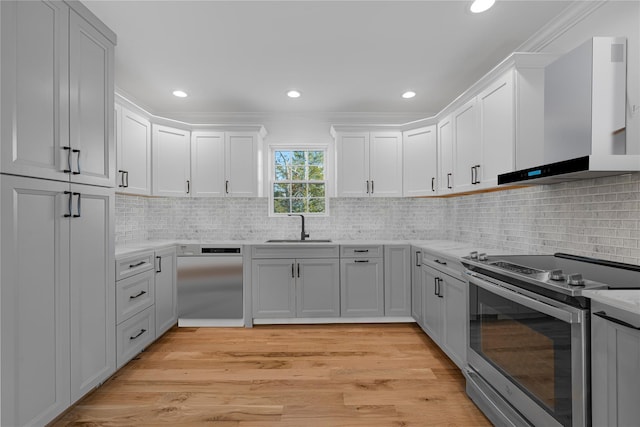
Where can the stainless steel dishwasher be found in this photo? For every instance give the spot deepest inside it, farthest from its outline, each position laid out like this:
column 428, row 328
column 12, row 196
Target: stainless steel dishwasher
column 210, row 285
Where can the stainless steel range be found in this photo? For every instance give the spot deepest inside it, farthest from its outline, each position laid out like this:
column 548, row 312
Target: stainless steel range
column 528, row 353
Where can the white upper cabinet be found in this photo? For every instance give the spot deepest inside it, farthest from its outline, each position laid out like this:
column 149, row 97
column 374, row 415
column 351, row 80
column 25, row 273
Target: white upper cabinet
column 420, row 162
column 242, row 164
column 369, row 164
column 497, row 131
column 466, row 138
column 207, row 164
column 57, row 94
column 34, row 88
column 133, row 146
column 225, row 164
column 445, row 156
column 171, row 161
column 91, row 59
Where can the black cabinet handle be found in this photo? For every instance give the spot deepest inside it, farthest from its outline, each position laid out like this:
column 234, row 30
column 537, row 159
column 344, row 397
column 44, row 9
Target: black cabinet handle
column 361, row 250
column 68, row 150
column 137, row 264
column 79, row 206
column 449, row 175
column 418, row 253
column 77, row 162
column 477, row 179
column 371, row 186
column 473, row 171
column 433, row 183
column 69, row 207
column 127, row 174
column 367, row 187
column 142, row 331
column 121, row 178
column 361, row 260
column 440, row 288
column 616, row 321
column 159, row 270
column 440, row 262
column 293, row 274
column 298, row 270
column 188, row 186
column 226, row 187
column 138, row 295
column 435, row 286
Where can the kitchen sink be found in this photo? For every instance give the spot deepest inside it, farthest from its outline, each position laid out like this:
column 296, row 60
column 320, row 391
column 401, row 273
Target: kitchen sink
column 298, row 241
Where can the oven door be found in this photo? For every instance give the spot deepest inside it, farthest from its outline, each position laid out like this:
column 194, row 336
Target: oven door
column 531, row 350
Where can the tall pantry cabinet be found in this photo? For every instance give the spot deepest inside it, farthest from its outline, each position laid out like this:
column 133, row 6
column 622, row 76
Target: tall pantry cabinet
column 57, row 172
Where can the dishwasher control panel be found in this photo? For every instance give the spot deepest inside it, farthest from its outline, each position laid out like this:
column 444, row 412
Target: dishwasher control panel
column 208, row 250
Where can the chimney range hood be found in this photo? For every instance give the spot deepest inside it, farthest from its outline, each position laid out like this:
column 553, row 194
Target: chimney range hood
column 584, row 117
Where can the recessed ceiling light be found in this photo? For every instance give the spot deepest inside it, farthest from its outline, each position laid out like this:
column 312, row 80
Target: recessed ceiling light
column 479, row 6
column 294, row 94
column 180, row 93
column 408, row 94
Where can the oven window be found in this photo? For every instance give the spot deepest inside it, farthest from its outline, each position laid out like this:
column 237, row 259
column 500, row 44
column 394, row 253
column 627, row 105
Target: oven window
column 530, row 348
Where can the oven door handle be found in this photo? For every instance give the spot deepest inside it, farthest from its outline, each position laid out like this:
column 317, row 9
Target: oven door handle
column 542, row 307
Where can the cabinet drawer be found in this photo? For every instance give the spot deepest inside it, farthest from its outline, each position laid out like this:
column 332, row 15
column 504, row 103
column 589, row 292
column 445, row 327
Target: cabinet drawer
column 134, row 334
column 445, row 264
column 127, row 267
column 134, row 295
column 361, row 251
column 295, row 250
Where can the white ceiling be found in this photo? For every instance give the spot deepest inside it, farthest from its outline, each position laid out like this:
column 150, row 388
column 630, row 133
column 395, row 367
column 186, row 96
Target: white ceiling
column 345, row 56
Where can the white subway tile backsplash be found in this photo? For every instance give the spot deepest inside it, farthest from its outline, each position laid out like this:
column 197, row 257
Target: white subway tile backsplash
column 595, row 217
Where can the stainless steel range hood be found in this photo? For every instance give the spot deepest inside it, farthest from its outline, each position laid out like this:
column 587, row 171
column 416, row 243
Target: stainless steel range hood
column 584, row 117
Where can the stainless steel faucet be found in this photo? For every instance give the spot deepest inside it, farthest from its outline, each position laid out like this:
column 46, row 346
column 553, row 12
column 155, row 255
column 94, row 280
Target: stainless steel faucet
column 303, row 234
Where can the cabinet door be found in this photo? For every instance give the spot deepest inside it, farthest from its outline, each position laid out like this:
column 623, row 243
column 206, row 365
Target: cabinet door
column 454, row 337
column 171, row 162
column 242, row 164
column 497, row 130
column 34, row 297
column 34, row 88
column 361, row 287
column 353, row 164
column 274, row 290
column 431, row 305
column 385, row 164
column 133, row 135
column 416, row 285
column 420, row 162
column 397, row 280
column 207, row 164
column 166, row 304
column 91, row 105
column 615, row 371
column 467, row 145
column 318, row 288
column 445, row 148
column 92, row 274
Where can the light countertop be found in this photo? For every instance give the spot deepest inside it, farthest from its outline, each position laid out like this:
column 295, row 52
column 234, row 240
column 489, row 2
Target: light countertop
column 624, row 299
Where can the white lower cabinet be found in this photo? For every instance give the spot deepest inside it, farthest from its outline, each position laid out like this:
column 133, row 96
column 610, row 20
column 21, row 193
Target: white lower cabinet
column 444, row 308
column 397, row 280
column 166, row 291
column 615, row 366
column 134, row 334
column 361, row 287
column 57, row 297
column 296, row 288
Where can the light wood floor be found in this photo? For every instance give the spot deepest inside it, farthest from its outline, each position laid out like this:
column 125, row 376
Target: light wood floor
column 293, row 376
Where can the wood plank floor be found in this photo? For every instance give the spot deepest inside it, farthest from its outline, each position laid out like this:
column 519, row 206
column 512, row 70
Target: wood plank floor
column 284, row 376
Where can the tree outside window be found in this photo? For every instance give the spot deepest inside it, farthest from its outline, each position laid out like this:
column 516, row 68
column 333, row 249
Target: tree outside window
column 299, row 184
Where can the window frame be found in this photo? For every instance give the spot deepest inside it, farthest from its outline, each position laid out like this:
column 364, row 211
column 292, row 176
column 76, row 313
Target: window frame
column 271, row 177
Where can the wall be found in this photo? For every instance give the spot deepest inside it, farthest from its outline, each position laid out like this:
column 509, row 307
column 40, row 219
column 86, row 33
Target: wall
column 594, row 217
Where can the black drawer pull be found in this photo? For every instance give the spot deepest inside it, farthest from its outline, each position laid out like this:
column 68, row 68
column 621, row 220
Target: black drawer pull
column 142, row 331
column 440, row 262
column 361, row 251
column 361, row 260
column 137, row 296
column 137, row 265
column 617, row 321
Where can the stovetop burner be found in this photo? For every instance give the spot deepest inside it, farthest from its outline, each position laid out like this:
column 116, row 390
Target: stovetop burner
column 516, row 268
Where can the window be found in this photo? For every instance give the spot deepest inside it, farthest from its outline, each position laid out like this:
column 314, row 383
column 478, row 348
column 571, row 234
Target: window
column 299, row 184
